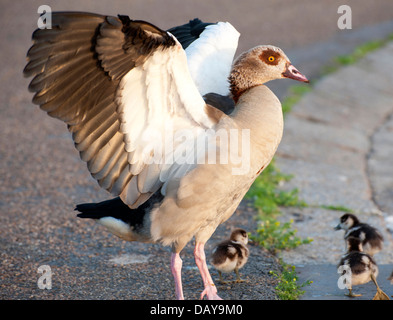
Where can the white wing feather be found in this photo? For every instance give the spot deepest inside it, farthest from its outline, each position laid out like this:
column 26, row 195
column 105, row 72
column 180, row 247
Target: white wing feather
column 210, row 57
column 156, row 101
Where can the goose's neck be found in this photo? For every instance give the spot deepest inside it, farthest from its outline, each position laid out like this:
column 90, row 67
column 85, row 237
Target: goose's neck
column 234, row 86
column 260, row 110
column 258, row 104
column 243, row 77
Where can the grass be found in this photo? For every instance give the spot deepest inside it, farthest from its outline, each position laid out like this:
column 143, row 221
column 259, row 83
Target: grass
column 336, row 208
column 276, row 236
column 266, row 195
column 360, row 52
column 288, row 287
column 295, row 94
column 267, row 198
column 271, row 233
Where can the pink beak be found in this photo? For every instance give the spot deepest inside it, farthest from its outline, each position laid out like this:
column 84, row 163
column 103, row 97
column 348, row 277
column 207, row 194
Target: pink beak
column 293, row 73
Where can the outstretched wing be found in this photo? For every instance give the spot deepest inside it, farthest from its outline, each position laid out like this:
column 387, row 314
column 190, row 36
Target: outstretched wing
column 122, row 87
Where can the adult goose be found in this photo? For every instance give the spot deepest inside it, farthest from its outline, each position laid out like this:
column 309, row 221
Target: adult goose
column 137, row 118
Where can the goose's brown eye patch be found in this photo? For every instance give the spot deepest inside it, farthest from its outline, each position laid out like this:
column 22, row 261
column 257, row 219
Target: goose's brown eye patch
column 270, row 57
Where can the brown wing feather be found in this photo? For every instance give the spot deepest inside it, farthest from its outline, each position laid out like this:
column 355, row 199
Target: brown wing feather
column 77, row 66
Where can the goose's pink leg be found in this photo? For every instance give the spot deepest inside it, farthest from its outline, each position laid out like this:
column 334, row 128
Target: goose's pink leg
column 176, row 265
column 210, row 289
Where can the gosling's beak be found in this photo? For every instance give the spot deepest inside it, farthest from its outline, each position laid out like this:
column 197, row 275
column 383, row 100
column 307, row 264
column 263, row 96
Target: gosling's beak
column 293, row 73
column 337, row 227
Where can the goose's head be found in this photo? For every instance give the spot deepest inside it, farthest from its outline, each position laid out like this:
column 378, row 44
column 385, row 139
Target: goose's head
column 260, row 65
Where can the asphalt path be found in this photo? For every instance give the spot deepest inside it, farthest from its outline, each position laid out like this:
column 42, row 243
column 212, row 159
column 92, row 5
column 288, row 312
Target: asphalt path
column 42, row 177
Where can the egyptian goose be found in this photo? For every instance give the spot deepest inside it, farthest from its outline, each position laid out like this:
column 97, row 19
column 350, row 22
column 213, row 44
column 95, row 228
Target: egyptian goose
column 372, row 240
column 231, row 255
column 359, row 267
column 177, row 166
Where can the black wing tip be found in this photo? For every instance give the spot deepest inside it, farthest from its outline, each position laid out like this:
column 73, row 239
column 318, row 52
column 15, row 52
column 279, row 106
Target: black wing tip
column 189, row 32
column 87, row 211
column 88, row 216
column 195, row 22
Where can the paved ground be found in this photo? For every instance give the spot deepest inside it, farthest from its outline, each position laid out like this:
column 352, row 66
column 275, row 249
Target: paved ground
column 43, row 178
column 325, row 283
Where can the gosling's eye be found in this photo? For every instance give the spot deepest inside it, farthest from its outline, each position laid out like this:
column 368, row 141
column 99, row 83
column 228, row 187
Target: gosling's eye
column 271, row 59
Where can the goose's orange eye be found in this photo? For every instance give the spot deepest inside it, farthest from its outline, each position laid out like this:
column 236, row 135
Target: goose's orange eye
column 271, row 59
